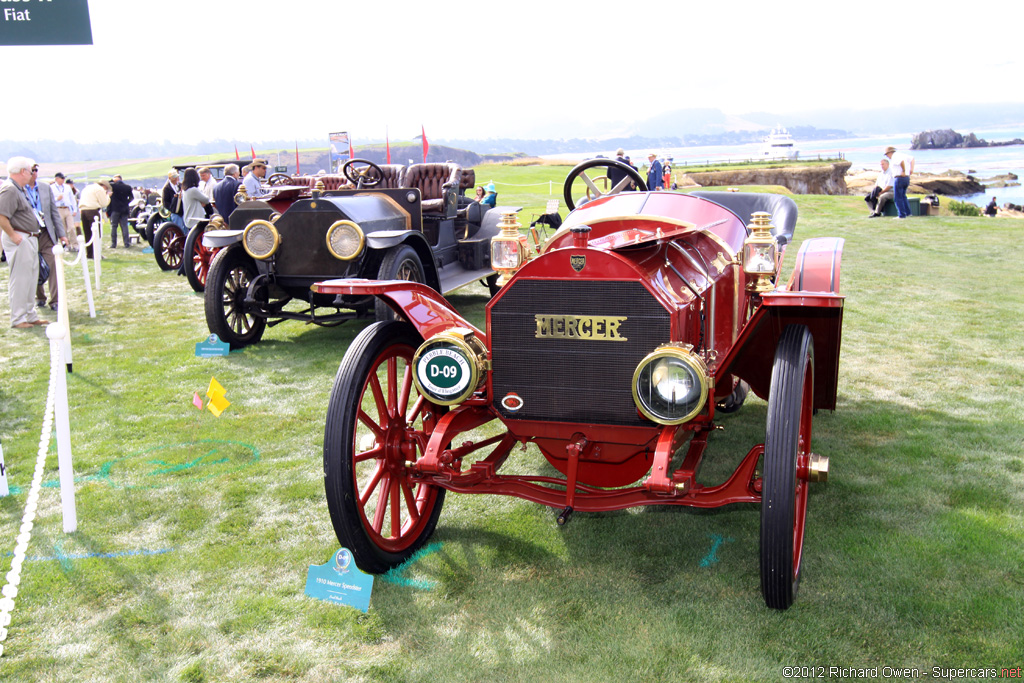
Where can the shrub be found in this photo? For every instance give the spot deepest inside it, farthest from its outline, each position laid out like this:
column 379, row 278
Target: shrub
column 963, row 208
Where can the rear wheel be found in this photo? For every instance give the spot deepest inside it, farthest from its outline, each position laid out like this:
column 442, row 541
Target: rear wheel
column 231, row 272
column 377, row 422
column 401, row 263
column 787, row 445
column 168, row 246
column 152, row 223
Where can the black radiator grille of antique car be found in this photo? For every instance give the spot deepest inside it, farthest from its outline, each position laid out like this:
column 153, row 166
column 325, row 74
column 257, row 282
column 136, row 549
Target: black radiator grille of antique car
column 572, row 379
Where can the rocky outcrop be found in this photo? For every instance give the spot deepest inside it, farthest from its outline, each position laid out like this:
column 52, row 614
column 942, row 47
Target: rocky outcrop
column 829, row 179
column 949, row 139
column 950, row 183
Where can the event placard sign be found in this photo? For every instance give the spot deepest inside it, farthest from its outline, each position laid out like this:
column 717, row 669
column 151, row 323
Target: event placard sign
column 340, row 581
column 45, row 22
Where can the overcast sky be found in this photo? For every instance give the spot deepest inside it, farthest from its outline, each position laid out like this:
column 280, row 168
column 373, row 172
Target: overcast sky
column 191, row 70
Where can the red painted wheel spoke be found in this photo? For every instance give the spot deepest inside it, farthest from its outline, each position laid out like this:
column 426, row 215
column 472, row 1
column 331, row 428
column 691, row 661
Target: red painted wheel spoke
column 395, row 486
column 378, row 397
column 371, row 485
column 393, row 386
column 417, row 410
column 377, row 429
column 374, row 452
column 382, row 504
column 410, row 503
column 403, row 399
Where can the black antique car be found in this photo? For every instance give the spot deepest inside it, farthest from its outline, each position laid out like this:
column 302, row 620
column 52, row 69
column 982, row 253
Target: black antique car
column 389, row 223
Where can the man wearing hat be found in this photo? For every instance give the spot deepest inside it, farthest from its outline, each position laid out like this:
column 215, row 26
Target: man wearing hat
column 67, row 206
column 257, row 171
column 120, row 206
column 20, row 239
column 171, row 198
column 655, row 174
column 94, row 199
column 902, row 166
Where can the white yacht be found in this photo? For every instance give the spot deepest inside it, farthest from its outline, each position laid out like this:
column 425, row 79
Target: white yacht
column 779, row 145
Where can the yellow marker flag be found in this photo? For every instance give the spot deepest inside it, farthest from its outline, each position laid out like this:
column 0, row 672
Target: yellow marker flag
column 218, row 404
column 215, row 389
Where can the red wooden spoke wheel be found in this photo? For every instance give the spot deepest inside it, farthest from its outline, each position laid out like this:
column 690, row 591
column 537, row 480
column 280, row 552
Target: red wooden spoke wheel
column 787, row 446
column 198, row 258
column 377, row 423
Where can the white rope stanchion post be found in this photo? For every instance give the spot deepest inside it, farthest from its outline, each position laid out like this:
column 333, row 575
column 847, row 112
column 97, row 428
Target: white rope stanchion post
column 10, row 590
column 97, row 247
column 62, row 302
column 60, row 411
column 85, row 276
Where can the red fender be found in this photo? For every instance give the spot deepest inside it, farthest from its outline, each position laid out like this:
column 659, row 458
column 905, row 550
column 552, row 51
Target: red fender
column 420, row 305
column 817, row 266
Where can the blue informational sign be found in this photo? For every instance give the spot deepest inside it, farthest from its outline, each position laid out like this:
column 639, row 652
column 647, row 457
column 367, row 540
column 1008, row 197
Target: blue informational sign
column 213, row 346
column 340, row 581
column 54, row 22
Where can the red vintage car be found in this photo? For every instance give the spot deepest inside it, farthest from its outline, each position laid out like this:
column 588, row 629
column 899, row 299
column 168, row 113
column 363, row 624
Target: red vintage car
column 612, row 349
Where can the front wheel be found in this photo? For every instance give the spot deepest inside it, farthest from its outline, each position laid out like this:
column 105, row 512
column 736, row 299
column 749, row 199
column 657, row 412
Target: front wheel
column 377, row 422
column 787, row 444
column 168, row 246
column 231, row 273
column 152, row 223
column 401, row 263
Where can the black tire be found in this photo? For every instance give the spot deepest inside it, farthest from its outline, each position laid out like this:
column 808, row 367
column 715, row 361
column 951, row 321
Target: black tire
column 168, row 246
column 152, row 223
column 783, row 493
column 362, row 487
column 400, row 263
column 230, row 274
column 193, row 270
column 734, row 401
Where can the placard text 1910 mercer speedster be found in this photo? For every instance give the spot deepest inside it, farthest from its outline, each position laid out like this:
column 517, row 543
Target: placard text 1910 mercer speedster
column 612, row 350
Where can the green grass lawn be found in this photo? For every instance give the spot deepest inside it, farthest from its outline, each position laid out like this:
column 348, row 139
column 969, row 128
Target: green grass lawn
column 196, row 532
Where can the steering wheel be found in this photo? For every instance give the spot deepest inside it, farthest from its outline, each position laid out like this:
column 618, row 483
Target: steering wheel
column 367, row 176
column 632, row 176
column 279, row 179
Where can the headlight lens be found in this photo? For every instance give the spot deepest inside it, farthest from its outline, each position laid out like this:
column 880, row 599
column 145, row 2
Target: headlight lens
column 261, row 239
column 505, row 254
column 670, row 385
column 449, row 367
column 345, row 240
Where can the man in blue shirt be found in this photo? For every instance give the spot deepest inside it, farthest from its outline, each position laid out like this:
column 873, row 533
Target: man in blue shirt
column 655, row 173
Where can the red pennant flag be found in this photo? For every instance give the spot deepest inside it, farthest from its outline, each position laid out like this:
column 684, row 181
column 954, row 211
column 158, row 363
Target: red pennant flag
column 297, row 171
column 252, row 150
column 426, row 145
column 351, row 154
column 237, row 158
column 388, row 143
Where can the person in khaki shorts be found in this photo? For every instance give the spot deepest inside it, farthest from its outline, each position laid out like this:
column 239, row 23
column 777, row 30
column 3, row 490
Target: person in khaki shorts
column 20, row 239
column 67, row 206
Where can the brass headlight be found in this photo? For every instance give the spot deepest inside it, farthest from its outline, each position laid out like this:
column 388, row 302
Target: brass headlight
column 450, row 366
column 261, row 239
column 345, row 240
column 670, row 385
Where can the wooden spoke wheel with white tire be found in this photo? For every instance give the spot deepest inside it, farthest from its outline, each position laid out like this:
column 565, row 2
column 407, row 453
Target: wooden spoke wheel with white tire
column 787, row 451
column 168, row 246
column 400, row 263
column 231, row 273
column 377, row 423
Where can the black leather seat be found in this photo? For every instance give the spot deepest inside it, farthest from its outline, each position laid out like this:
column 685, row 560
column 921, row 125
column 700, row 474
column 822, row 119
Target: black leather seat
column 743, row 204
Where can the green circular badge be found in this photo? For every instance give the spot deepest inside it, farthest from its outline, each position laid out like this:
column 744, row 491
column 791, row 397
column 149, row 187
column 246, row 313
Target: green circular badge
column 444, row 372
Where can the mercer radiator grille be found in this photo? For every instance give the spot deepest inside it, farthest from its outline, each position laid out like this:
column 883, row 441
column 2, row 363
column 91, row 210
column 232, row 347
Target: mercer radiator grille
column 572, row 379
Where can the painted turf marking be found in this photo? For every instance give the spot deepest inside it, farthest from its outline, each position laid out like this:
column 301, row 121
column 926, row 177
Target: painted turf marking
column 397, row 575
column 716, row 542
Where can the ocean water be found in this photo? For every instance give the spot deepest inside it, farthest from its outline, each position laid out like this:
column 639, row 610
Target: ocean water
column 865, row 152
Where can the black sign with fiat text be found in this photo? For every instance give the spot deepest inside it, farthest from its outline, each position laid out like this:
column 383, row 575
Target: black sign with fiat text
column 45, row 22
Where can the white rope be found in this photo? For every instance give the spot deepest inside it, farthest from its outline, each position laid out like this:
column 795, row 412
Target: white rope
column 10, row 590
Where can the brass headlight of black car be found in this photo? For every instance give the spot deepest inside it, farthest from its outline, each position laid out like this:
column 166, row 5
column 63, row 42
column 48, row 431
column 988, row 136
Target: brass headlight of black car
column 345, row 240
column 670, row 385
column 450, row 366
column 261, row 239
